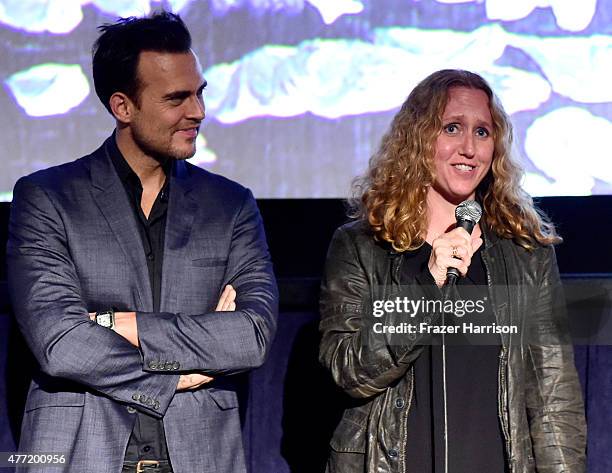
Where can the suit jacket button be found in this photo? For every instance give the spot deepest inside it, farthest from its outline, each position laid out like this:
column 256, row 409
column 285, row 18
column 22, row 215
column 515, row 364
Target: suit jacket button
column 135, row 397
column 176, row 365
column 152, row 365
column 400, row 403
column 393, row 453
column 131, row 410
column 169, row 365
column 143, row 399
column 150, row 402
column 156, row 406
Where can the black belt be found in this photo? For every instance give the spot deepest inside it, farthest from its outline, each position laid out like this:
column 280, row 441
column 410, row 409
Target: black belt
column 147, row 466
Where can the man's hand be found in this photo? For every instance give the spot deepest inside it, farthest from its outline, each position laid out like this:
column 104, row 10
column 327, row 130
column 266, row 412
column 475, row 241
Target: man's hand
column 227, row 301
column 192, row 381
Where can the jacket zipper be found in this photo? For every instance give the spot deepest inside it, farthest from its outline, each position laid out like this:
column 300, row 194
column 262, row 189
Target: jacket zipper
column 501, row 398
column 395, row 269
column 405, row 422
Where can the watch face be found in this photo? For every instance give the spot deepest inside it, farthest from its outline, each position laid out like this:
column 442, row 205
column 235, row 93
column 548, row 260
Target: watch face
column 104, row 319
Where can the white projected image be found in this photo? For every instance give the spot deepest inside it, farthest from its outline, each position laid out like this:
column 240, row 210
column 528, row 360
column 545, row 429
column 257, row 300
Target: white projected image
column 301, row 91
column 49, row 89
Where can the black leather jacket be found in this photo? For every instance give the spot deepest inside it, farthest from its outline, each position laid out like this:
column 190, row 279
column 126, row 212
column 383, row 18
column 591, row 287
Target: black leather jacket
column 539, row 398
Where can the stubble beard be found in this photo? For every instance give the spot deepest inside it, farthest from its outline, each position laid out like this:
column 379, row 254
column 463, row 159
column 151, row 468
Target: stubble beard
column 159, row 153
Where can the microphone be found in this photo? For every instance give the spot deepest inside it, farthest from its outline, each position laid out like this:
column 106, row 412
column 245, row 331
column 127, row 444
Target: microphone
column 468, row 214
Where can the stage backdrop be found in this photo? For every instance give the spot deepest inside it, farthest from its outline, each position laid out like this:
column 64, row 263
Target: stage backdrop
column 301, row 91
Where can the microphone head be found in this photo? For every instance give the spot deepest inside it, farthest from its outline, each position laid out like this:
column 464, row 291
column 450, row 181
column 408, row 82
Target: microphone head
column 468, row 210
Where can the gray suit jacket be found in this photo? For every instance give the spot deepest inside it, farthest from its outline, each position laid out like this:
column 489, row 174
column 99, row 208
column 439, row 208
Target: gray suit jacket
column 74, row 248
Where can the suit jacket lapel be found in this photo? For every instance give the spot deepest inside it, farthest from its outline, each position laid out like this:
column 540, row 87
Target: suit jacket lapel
column 113, row 202
column 182, row 208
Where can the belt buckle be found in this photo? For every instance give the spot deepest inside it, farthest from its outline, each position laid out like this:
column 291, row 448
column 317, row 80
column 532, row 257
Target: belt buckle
column 140, row 466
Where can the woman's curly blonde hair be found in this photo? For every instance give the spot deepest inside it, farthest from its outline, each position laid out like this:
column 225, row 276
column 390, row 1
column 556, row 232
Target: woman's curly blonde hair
column 392, row 194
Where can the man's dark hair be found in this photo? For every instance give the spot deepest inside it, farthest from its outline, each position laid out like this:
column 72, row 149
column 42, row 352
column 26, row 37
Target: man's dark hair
column 116, row 51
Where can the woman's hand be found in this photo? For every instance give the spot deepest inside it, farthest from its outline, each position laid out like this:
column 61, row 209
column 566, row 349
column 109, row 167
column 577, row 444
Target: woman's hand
column 452, row 250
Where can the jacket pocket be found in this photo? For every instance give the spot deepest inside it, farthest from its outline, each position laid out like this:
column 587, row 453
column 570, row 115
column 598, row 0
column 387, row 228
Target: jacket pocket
column 349, row 436
column 224, row 399
column 39, row 398
column 209, row 262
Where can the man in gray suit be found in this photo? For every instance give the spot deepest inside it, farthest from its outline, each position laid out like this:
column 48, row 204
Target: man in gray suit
column 140, row 282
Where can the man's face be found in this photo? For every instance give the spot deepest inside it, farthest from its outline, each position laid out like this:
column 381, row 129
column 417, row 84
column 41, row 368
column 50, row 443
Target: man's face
column 171, row 108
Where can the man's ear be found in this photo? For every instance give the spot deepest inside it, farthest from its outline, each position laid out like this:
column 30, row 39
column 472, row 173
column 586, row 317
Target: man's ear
column 122, row 107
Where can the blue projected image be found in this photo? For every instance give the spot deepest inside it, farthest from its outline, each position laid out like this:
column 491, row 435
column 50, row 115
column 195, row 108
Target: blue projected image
column 301, row 91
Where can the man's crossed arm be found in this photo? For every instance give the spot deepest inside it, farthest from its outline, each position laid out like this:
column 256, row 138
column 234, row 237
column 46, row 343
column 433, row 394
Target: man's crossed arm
column 126, row 326
column 46, row 290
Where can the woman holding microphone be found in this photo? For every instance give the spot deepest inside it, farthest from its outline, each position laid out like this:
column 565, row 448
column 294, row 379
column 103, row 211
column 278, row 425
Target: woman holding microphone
column 512, row 405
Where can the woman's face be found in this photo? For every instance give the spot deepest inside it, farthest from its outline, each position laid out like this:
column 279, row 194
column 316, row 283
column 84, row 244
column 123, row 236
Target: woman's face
column 464, row 147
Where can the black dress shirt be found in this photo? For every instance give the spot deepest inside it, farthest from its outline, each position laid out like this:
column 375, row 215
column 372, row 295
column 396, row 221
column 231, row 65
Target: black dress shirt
column 148, row 439
column 475, row 440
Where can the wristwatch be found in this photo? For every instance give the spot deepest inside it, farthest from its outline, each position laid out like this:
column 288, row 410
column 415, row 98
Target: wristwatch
column 106, row 318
